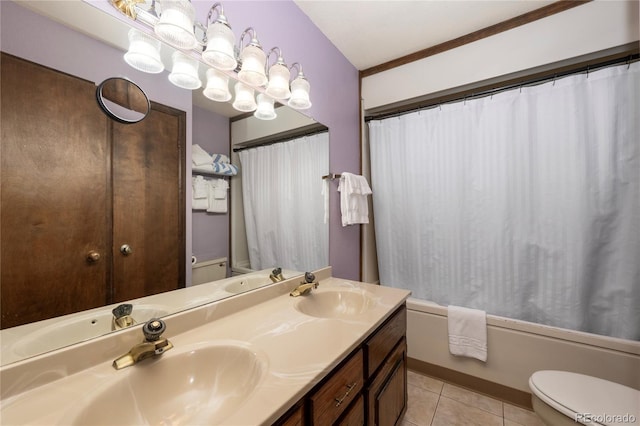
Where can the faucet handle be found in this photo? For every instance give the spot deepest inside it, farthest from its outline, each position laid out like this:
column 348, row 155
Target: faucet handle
column 122, row 310
column 153, row 329
column 277, row 271
column 309, row 277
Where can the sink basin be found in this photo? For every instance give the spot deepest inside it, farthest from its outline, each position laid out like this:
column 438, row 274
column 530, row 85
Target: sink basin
column 199, row 385
column 242, row 284
column 335, row 303
column 77, row 328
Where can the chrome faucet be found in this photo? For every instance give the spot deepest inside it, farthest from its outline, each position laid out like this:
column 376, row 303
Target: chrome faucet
column 153, row 345
column 305, row 286
column 122, row 317
column 276, row 275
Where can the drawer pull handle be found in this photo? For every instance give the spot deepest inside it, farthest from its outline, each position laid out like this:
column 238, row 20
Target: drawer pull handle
column 350, row 387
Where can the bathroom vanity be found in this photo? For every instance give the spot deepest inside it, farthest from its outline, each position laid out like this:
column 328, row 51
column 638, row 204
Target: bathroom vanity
column 334, row 356
column 368, row 387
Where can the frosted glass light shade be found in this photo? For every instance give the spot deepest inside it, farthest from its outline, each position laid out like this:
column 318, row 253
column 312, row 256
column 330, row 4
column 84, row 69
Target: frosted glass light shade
column 185, row 71
column 144, row 52
column 244, row 100
column 265, row 109
column 176, row 24
column 219, row 52
column 299, row 99
column 253, row 61
column 217, row 88
column 278, row 86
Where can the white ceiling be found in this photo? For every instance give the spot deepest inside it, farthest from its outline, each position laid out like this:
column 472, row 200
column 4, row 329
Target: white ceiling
column 371, row 32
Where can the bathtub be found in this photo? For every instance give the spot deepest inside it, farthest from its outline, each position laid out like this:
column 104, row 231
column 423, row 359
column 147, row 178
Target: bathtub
column 516, row 349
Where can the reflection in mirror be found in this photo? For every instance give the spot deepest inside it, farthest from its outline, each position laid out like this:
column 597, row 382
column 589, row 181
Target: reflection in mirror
column 278, row 205
column 101, row 43
column 295, row 235
column 123, row 100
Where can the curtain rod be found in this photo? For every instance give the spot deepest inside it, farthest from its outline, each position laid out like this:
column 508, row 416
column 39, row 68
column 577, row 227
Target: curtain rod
column 525, row 83
column 285, row 139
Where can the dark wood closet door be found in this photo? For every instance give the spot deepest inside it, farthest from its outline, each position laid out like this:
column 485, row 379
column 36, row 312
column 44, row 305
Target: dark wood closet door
column 54, row 204
column 149, row 204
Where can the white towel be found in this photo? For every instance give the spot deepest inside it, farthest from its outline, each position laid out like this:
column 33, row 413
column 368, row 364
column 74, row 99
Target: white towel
column 220, row 189
column 199, row 187
column 353, row 199
column 217, row 196
column 199, row 156
column 467, row 332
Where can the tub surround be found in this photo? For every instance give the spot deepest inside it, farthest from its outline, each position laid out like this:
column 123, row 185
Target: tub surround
column 516, row 349
column 298, row 350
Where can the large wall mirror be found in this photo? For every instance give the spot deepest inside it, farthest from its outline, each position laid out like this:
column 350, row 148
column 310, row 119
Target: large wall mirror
column 99, row 48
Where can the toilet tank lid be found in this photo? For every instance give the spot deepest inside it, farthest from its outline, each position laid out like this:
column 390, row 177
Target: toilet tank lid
column 573, row 393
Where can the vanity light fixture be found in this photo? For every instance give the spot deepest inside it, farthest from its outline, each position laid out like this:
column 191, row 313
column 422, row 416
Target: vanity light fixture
column 215, row 46
column 220, row 41
column 265, row 110
column 185, row 71
column 217, row 88
column 144, row 52
column 253, row 61
column 176, row 24
column 300, row 89
column 244, row 100
column 279, row 75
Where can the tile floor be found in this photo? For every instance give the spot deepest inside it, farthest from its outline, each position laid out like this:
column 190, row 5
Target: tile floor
column 436, row 403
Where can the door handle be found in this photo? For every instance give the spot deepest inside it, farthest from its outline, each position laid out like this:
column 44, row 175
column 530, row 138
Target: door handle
column 93, row 256
column 125, row 249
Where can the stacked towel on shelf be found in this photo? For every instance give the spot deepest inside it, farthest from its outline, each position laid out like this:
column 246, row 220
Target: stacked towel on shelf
column 353, row 199
column 218, row 196
column 214, row 199
column 216, row 164
column 225, row 169
column 199, row 156
column 467, row 332
column 200, row 189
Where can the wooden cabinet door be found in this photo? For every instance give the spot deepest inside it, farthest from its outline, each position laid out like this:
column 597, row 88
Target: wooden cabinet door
column 149, row 204
column 387, row 394
column 54, row 183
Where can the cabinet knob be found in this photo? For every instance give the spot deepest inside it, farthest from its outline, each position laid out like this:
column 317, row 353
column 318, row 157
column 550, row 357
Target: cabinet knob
column 93, row 256
column 126, row 249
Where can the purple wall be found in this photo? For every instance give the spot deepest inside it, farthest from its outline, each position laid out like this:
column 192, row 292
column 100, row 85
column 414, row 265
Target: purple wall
column 35, row 38
column 210, row 230
column 334, row 94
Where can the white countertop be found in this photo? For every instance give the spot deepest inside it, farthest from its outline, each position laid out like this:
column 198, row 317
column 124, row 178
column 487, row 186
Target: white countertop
column 299, row 351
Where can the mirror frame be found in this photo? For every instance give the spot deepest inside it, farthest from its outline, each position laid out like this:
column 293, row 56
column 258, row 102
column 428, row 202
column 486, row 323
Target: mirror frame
column 104, row 100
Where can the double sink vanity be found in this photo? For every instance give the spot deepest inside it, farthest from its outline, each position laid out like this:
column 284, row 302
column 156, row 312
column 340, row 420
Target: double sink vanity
column 336, row 355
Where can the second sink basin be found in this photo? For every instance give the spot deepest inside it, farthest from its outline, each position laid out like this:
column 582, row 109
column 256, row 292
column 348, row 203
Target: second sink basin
column 340, row 303
column 201, row 385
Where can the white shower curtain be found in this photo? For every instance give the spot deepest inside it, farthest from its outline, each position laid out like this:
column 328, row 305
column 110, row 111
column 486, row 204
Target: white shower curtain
column 525, row 204
column 283, row 204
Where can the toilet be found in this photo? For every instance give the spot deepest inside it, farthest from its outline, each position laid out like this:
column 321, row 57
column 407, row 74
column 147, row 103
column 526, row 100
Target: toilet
column 563, row 398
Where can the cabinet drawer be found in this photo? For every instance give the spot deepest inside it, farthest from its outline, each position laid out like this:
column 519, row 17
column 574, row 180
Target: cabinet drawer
column 344, row 386
column 387, row 395
column 385, row 339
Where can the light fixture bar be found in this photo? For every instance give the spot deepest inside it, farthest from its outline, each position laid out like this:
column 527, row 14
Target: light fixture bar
column 176, row 25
